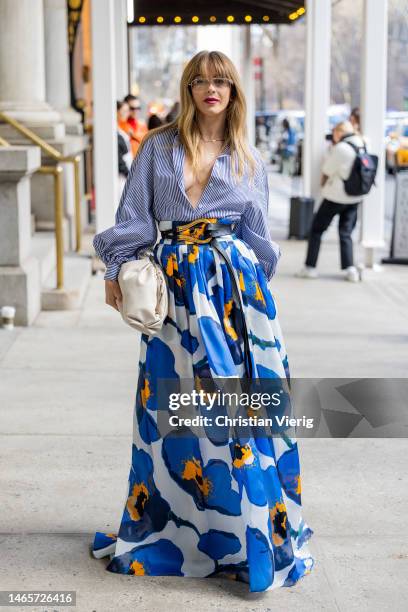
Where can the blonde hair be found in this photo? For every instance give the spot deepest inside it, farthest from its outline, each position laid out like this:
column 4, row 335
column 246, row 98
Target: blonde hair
column 235, row 129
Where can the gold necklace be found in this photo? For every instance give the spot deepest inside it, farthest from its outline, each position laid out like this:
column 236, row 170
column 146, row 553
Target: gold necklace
column 213, row 140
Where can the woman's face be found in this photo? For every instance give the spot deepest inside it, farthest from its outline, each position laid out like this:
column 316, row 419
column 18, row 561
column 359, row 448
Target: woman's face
column 123, row 112
column 210, row 96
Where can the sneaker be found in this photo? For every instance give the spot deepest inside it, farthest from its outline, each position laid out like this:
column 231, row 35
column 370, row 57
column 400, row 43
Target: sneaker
column 307, row 272
column 352, row 274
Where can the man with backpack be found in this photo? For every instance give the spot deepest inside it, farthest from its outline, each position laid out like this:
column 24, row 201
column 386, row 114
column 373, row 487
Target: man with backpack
column 348, row 174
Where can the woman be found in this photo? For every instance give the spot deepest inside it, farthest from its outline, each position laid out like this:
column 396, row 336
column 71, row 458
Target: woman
column 210, row 505
column 124, row 149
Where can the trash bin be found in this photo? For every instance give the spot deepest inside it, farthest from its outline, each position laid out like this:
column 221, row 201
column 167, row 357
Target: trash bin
column 301, row 215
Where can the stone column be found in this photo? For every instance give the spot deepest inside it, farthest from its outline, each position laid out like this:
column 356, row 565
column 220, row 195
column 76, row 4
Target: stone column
column 249, row 83
column 104, row 116
column 57, row 64
column 22, row 68
column 23, row 95
column 317, row 95
column 373, row 111
column 20, row 284
column 121, row 49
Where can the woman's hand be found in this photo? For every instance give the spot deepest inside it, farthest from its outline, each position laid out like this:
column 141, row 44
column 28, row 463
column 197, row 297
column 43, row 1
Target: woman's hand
column 113, row 293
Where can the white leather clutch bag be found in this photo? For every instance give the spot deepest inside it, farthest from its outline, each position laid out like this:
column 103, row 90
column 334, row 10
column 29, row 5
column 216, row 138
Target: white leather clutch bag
column 144, row 303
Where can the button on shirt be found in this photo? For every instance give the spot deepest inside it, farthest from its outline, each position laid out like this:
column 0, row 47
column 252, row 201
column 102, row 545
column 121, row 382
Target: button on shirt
column 155, row 191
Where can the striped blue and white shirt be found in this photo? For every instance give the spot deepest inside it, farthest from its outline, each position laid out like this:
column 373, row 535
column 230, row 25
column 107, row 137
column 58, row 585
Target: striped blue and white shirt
column 155, row 191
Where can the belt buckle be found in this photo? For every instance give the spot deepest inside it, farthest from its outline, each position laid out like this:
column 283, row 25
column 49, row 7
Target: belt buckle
column 197, row 228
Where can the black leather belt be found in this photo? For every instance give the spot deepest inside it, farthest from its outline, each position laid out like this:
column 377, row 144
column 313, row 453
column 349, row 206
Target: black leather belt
column 211, row 231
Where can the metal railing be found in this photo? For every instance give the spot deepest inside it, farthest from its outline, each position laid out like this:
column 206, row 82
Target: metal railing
column 56, row 172
column 54, row 154
column 89, row 173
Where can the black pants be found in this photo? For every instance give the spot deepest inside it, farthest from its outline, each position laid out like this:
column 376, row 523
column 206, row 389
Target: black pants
column 321, row 221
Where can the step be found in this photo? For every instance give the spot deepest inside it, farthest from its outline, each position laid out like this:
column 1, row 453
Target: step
column 43, row 249
column 77, row 272
column 49, row 226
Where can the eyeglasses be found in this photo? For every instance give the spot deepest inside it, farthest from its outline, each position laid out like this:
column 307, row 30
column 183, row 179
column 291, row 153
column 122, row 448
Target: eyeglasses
column 218, row 82
column 134, row 108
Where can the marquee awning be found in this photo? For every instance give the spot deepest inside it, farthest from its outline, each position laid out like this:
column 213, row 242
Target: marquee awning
column 214, row 12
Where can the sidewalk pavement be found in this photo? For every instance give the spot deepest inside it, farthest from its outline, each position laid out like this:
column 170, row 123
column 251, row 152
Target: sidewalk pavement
column 67, row 386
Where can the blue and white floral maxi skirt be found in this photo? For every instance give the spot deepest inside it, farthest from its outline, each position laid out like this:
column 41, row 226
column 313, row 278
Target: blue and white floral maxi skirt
column 198, row 506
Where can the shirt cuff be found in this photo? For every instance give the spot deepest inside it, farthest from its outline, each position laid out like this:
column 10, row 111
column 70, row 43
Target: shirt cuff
column 112, row 271
column 270, row 269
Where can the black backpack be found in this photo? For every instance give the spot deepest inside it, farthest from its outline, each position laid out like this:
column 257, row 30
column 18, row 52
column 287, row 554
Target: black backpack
column 363, row 171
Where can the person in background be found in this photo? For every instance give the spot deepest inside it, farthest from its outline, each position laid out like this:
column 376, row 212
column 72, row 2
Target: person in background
column 355, row 119
column 136, row 128
column 173, row 113
column 124, row 148
column 336, row 168
column 154, row 122
column 288, row 148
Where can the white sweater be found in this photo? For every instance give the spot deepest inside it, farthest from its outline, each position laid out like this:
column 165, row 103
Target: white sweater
column 337, row 166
